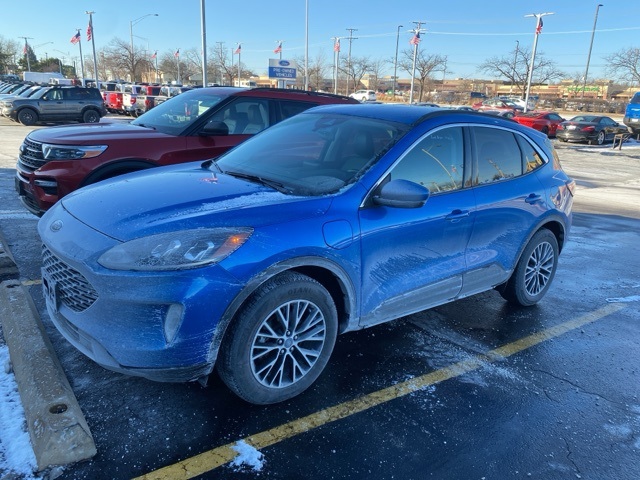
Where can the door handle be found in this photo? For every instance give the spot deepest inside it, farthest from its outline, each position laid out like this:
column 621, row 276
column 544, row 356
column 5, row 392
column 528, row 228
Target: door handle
column 532, row 198
column 457, row 214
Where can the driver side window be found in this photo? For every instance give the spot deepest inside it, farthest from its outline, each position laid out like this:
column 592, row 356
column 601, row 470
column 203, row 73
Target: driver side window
column 436, row 162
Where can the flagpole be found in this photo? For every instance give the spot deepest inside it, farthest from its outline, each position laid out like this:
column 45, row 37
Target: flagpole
column 81, row 60
column 533, row 54
column 93, row 45
column 415, row 40
column 205, row 80
column 336, row 58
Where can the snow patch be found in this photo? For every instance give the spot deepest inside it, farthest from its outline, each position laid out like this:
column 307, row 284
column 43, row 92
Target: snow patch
column 16, row 452
column 632, row 298
column 248, row 456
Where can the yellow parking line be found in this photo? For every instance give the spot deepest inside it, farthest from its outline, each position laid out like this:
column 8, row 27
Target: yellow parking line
column 28, row 283
column 212, row 459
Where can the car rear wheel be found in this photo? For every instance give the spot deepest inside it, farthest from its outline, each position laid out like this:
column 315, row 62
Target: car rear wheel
column 280, row 341
column 534, row 272
column 27, row 117
column 599, row 139
column 90, row 116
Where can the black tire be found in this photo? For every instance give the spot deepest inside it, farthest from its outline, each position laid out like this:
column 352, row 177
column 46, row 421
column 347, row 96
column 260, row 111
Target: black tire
column 90, row 116
column 534, row 272
column 545, row 130
column 563, row 140
column 599, row 140
column 264, row 361
column 27, row 117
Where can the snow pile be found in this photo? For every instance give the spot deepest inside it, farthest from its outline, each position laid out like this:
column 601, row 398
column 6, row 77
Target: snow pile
column 16, row 453
column 247, row 455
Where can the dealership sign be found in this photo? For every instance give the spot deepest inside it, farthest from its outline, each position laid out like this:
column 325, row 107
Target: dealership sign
column 280, row 68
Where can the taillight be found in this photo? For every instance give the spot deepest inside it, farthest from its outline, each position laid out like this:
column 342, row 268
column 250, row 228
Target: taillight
column 560, row 127
column 589, row 129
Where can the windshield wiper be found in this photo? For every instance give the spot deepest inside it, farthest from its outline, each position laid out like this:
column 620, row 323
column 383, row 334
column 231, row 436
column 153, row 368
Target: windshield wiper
column 264, row 181
column 145, row 126
column 212, row 161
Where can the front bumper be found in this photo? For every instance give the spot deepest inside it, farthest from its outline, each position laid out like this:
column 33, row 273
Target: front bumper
column 120, row 319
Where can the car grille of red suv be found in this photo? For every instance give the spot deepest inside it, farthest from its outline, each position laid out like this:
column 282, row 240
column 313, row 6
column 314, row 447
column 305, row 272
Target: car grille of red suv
column 72, row 288
column 31, row 157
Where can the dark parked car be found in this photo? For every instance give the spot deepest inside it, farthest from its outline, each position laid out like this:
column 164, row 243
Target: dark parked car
column 195, row 125
column 337, row 219
column 57, row 104
column 593, row 129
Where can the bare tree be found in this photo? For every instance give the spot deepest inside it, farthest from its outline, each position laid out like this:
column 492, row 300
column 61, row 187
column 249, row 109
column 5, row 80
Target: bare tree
column 625, row 65
column 376, row 67
column 359, row 67
column 514, row 68
column 220, row 57
column 319, row 69
column 8, row 55
column 426, row 67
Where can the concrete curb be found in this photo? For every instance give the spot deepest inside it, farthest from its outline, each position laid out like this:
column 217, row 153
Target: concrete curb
column 58, row 430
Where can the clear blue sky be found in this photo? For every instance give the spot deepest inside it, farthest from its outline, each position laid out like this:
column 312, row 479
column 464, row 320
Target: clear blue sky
column 466, row 31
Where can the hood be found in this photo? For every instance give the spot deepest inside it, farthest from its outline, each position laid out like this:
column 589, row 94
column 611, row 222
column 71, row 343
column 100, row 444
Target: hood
column 90, row 134
column 183, row 197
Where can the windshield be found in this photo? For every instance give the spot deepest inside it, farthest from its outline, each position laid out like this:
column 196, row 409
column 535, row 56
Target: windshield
column 178, row 113
column 313, row 154
column 636, row 98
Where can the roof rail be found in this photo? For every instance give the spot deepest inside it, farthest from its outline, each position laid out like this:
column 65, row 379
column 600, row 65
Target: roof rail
column 300, row 92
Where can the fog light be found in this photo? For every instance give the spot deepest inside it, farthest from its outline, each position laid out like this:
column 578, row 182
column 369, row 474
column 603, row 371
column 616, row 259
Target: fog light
column 172, row 322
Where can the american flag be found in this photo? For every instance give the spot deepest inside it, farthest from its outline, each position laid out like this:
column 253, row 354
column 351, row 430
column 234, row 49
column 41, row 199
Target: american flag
column 76, row 38
column 26, row 47
column 336, row 46
column 415, row 40
column 539, row 27
column 177, row 54
column 89, row 31
column 238, row 50
column 278, row 48
column 155, row 54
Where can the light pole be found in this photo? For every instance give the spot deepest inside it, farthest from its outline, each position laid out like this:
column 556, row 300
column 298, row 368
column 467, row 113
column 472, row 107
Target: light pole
column 135, row 22
column 533, row 54
column 515, row 62
column 64, row 55
column 131, row 24
column 593, row 32
column 395, row 62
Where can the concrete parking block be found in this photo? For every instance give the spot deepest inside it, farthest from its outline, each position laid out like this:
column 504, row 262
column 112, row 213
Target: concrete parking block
column 57, row 427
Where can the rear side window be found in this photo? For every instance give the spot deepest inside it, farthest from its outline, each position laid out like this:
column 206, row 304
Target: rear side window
column 498, row 155
column 531, row 157
column 289, row 108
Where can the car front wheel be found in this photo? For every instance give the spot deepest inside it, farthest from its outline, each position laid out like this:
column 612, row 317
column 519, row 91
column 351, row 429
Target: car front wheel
column 280, row 341
column 534, row 272
column 27, row 117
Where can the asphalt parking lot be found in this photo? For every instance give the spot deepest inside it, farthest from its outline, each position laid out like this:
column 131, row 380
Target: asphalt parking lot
column 475, row 389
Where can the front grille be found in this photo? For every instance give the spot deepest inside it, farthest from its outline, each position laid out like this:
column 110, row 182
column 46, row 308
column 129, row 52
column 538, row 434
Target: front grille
column 31, row 157
column 72, row 288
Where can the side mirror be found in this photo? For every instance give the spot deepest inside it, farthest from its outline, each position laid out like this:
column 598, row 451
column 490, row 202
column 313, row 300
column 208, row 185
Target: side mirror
column 402, row 194
column 214, row 128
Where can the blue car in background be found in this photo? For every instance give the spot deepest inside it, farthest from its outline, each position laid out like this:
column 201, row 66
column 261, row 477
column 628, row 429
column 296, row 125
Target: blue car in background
column 337, row 219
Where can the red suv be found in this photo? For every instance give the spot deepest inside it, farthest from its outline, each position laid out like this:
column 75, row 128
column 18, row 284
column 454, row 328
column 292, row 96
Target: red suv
column 196, row 125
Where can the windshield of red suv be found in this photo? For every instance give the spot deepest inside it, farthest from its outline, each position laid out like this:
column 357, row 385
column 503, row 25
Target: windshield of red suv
column 178, row 113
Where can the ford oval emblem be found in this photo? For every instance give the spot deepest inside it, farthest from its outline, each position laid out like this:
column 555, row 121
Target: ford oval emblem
column 56, row 226
column 284, row 63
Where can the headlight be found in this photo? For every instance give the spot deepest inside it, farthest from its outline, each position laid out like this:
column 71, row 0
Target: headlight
column 71, row 152
column 175, row 250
